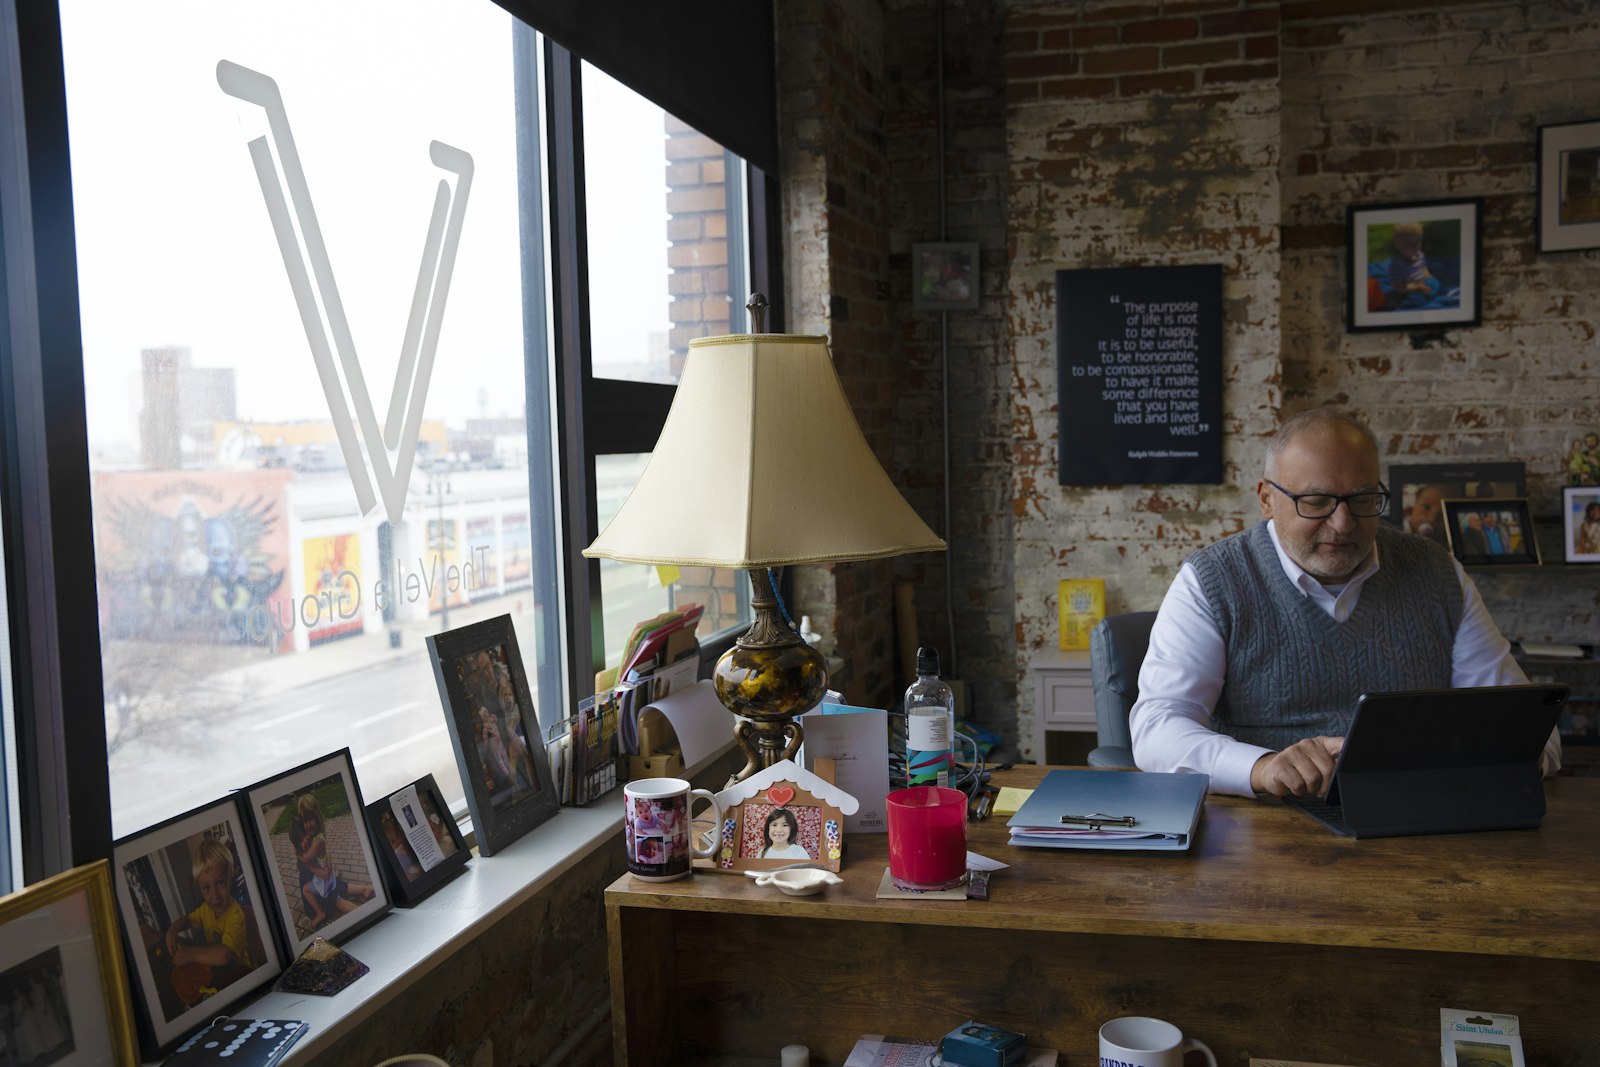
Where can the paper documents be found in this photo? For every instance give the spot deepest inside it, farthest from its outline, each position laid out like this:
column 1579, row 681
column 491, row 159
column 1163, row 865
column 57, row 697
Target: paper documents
column 1111, row 810
column 857, row 740
column 698, row 719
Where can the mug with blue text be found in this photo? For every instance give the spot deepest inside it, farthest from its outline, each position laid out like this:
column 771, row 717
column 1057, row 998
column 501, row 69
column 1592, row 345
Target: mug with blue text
column 1138, row 1041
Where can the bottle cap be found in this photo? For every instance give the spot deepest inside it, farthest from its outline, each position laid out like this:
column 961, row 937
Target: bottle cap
column 927, row 660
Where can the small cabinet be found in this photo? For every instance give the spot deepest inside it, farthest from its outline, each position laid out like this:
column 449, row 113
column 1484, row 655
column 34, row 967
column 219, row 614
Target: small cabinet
column 1063, row 696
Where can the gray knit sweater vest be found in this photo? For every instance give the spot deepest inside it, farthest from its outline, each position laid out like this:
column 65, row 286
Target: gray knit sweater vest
column 1292, row 671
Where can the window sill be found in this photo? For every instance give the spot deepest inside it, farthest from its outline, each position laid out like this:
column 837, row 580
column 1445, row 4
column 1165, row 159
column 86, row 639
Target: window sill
column 407, row 943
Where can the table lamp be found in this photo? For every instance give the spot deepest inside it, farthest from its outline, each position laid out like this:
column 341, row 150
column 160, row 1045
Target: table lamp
column 761, row 464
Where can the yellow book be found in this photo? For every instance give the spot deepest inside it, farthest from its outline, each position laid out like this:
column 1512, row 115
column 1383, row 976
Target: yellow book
column 1081, row 603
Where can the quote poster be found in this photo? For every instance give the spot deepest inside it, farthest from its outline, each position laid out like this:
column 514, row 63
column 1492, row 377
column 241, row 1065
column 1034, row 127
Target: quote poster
column 1139, row 368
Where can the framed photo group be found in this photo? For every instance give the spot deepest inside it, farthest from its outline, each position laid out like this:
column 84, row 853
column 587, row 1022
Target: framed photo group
column 216, row 903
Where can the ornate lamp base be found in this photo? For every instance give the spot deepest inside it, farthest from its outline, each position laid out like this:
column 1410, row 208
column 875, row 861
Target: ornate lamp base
column 769, row 677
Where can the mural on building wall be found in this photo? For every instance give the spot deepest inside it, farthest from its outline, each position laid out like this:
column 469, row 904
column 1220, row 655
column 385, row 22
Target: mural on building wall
column 189, row 555
column 333, row 577
column 516, row 540
column 481, row 550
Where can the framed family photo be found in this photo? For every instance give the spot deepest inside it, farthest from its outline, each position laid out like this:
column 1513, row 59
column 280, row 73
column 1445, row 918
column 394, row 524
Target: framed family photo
column 494, row 729
column 944, row 276
column 1418, row 491
column 320, row 869
column 1580, row 511
column 63, row 989
column 1413, row 266
column 781, row 815
column 1493, row 532
column 420, row 847
column 197, row 922
column 1569, row 187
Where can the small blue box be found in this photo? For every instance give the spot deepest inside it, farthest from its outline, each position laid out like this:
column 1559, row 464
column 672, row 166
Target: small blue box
column 975, row 1044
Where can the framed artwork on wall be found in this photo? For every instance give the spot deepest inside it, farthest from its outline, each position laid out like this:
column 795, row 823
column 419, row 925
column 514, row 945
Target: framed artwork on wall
column 1413, row 266
column 317, row 855
column 944, row 276
column 1493, row 532
column 1569, row 187
column 1580, row 517
column 61, row 976
column 197, row 921
column 493, row 726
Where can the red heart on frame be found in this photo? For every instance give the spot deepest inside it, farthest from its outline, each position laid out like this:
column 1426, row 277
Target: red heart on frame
column 781, row 795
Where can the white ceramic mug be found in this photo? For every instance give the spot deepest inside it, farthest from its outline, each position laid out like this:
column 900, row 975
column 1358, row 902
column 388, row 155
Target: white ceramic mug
column 1138, row 1041
column 655, row 827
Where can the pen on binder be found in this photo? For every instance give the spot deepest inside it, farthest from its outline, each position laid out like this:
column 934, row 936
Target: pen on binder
column 1096, row 820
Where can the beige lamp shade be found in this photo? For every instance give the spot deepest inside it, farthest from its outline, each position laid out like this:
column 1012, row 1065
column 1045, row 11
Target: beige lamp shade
column 761, row 464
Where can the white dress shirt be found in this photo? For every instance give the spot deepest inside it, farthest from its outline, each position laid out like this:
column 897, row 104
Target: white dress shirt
column 1183, row 673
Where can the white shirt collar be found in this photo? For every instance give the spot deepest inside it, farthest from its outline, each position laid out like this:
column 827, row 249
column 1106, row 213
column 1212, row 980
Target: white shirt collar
column 1312, row 588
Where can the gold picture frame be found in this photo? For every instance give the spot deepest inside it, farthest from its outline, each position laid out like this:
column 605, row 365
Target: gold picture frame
column 59, row 949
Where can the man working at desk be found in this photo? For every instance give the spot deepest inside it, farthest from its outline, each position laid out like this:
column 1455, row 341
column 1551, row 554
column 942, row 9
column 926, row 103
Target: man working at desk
column 1266, row 638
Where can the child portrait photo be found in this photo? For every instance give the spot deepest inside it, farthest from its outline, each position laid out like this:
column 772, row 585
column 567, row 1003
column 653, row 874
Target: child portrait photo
column 498, row 725
column 1413, row 265
column 1580, row 507
column 191, row 903
column 319, row 853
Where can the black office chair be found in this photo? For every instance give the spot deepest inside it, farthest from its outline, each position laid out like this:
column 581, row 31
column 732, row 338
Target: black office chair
column 1117, row 645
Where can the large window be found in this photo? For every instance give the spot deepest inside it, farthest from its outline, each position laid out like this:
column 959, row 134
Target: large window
column 320, row 255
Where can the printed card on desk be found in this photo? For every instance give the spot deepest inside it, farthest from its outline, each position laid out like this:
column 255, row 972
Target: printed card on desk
column 857, row 740
column 1479, row 1039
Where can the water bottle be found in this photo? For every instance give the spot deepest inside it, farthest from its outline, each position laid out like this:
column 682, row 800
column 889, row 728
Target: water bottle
column 930, row 725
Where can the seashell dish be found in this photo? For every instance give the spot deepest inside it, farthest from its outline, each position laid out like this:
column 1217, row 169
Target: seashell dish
column 802, row 882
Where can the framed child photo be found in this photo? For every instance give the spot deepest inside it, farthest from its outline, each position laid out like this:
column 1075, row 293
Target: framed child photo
column 1569, row 186
column 1580, row 511
column 320, row 869
column 944, row 276
column 494, row 729
column 1491, row 532
column 1413, row 266
column 420, row 847
column 63, row 989
column 778, row 816
column 196, row 920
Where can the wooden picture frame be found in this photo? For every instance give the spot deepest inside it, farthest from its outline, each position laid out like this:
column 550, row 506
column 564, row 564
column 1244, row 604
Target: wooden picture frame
column 61, row 959
column 803, row 812
column 1580, row 523
column 1413, row 266
column 1490, row 532
column 1418, row 491
column 944, row 276
column 420, row 847
column 494, row 729
column 165, row 877
column 1569, row 187
column 338, row 891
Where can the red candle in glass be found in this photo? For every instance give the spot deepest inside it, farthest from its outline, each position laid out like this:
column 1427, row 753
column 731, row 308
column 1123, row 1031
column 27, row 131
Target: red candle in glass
column 927, row 837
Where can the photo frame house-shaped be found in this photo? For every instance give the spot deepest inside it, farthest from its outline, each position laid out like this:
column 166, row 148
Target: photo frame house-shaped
column 780, row 816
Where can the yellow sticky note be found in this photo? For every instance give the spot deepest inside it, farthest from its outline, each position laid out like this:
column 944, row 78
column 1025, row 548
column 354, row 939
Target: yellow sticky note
column 1010, row 799
column 668, row 574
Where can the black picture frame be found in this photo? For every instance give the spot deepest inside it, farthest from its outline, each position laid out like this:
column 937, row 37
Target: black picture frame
column 945, row 276
column 154, row 875
column 1417, row 491
column 1385, row 291
column 1472, row 542
column 1580, row 533
column 511, row 795
column 356, row 898
column 1568, row 213
column 411, row 869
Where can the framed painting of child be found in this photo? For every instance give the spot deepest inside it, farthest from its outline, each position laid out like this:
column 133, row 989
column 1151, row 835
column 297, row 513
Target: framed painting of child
column 316, row 852
column 1413, row 266
column 194, row 919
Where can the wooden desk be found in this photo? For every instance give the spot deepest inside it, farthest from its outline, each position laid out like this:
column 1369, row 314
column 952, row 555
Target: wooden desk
column 1270, row 937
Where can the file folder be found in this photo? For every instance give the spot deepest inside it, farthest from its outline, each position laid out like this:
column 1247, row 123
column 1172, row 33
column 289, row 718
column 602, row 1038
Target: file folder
column 1127, row 810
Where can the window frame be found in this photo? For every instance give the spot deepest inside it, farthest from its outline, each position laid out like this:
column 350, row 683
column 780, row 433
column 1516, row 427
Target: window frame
column 48, row 535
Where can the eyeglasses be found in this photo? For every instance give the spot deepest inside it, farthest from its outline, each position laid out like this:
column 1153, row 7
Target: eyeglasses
column 1368, row 504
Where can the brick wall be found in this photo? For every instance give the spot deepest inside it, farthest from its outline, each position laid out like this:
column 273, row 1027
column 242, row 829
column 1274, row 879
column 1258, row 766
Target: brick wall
column 1138, row 134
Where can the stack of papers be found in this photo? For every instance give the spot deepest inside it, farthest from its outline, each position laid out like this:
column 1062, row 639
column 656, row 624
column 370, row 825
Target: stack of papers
column 1111, row 810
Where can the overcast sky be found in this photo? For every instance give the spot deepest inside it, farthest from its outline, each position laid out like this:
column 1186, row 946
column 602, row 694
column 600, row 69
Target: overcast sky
column 174, row 243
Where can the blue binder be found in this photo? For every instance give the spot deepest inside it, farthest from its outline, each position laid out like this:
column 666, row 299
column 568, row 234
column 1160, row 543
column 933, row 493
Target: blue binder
column 1129, row 810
